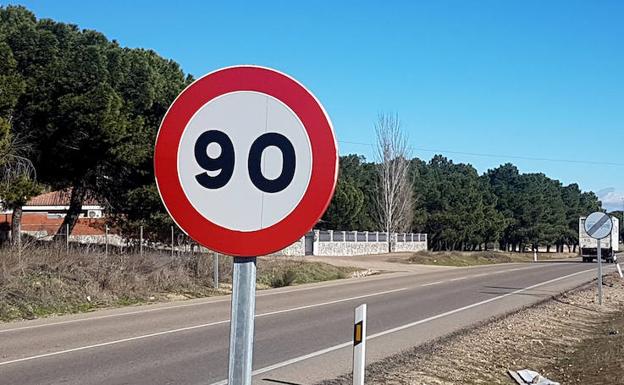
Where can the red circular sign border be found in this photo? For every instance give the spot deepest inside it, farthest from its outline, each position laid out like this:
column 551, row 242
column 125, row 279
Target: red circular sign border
column 324, row 161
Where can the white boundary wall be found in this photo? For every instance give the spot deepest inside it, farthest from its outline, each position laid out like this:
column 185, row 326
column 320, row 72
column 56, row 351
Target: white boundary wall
column 339, row 243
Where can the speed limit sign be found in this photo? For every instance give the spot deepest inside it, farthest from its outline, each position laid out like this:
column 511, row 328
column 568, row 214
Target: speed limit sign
column 246, row 160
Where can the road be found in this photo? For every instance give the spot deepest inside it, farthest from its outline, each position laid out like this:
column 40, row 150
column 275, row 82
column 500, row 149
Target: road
column 302, row 333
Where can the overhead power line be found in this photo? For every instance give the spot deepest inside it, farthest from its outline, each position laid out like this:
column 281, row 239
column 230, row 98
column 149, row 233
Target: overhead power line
column 498, row 156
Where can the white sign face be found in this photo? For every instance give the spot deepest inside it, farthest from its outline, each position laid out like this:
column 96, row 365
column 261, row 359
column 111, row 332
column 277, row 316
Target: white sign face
column 244, row 161
column 598, row 225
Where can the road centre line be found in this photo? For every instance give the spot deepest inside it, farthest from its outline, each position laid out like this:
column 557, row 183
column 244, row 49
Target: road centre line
column 144, row 336
column 403, row 327
column 227, row 299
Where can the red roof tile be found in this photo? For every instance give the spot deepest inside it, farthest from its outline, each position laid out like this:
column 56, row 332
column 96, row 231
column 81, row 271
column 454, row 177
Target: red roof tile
column 58, row 198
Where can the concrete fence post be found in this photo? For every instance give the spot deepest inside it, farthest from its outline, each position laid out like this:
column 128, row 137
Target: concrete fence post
column 366, row 235
column 315, row 243
column 355, row 236
column 331, row 235
column 344, row 236
column 376, row 236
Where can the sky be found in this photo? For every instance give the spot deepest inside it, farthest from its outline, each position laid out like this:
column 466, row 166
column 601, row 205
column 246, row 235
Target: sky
column 536, row 83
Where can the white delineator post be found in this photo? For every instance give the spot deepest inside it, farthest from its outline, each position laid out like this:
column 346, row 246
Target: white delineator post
column 534, row 255
column 359, row 345
column 619, row 269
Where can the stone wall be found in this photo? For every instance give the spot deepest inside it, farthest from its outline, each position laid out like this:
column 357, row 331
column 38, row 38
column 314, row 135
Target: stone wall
column 349, row 248
column 338, row 243
column 410, row 246
column 297, row 249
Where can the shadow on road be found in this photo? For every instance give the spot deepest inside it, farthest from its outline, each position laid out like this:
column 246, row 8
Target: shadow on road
column 501, row 290
column 280, row 382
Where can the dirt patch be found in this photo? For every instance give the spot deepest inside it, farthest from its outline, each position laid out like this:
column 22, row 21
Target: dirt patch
column 473, row 258
column 570, row 339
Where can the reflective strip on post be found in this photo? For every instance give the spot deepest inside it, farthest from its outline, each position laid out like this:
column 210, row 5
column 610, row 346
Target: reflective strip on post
column 359, row 345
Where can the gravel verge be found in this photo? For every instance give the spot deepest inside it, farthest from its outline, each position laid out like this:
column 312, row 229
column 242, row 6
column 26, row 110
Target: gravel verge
column 568, row 338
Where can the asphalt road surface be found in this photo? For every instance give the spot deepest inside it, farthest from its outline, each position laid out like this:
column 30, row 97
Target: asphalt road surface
column 303, row 333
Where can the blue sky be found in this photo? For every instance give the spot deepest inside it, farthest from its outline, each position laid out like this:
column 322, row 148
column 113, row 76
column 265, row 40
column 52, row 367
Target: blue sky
column 513, row 80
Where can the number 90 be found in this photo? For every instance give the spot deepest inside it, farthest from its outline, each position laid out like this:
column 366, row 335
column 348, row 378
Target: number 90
column 226, row 160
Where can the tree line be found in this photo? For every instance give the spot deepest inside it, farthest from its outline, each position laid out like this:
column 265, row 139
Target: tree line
column 86, row 111
column 80, row 112
column 462, row 210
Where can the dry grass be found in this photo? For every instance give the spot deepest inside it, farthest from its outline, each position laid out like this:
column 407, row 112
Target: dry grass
column 46, row 280
column 472, row 258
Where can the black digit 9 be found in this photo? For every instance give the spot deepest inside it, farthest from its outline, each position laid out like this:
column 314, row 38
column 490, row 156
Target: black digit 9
column 224, row 162
column 254, row 163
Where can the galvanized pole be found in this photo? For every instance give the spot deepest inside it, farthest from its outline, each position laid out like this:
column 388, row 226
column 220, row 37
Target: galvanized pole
column 599, row 273
column 67, row 238
column 171, row 242
column 106, row 241
column 215, row 271
column 359, row 345
column 141, row 241
column 19, row 242
column 242, row 324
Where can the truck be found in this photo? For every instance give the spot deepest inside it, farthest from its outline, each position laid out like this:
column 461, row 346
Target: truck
column 609, row 246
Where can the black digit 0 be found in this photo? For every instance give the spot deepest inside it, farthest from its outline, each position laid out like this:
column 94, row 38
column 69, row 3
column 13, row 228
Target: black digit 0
column 224, row 162
column 254, row 164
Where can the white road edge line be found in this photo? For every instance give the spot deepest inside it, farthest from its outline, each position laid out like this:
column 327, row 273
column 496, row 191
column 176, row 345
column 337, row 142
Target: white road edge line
column 403, row 327
column 30, row 358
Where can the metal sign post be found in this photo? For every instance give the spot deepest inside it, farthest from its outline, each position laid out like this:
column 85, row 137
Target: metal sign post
column 359, row 345
column 242, row 324
column 599, row 251
column 215, row 271
column 598, row 225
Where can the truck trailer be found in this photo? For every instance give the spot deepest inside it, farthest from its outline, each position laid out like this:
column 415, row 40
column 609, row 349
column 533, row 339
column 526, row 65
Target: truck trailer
column 609, row 246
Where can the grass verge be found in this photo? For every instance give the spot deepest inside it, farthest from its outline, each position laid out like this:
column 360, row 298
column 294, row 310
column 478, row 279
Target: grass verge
column 44, row 281
column 474, row 258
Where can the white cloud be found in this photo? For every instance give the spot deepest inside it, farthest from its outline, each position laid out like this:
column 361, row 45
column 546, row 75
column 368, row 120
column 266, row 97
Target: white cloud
column 611, row 200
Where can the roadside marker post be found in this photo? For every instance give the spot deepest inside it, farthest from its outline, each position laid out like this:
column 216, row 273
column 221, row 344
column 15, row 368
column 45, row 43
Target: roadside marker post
column 598, row 225
column 246, row 163
column 359, row 345
column 619, row 269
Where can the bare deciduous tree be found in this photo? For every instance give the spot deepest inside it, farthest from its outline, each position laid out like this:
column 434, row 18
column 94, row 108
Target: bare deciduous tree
column 17, row 178
column 395, row 198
